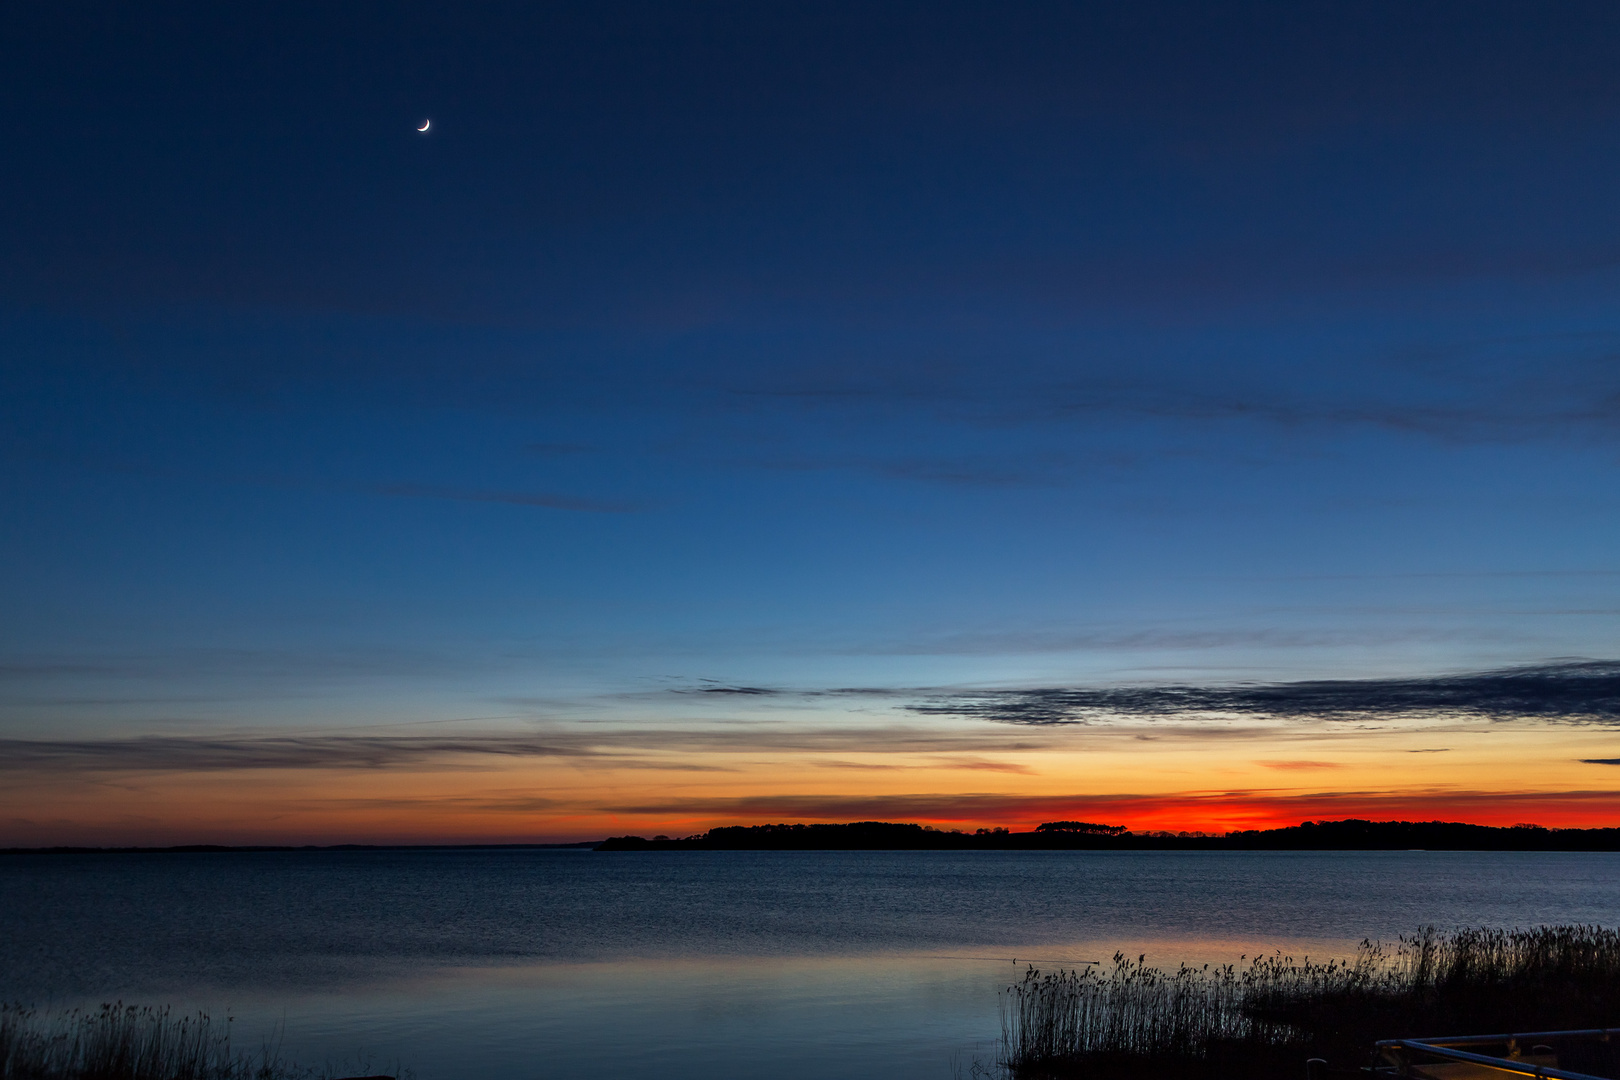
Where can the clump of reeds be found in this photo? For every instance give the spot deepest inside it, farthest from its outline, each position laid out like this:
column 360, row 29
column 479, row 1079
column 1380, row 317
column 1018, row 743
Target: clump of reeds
column 1212, row 1021
column 1133, row 1009
column 128, row 1042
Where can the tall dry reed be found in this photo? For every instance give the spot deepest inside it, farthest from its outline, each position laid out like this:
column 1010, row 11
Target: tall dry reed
column 1473, row 979
column 119, row 1042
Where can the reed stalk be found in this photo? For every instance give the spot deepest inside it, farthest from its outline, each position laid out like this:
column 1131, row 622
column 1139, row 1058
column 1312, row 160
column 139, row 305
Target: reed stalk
column 1065, row 1023
column 128, row 1042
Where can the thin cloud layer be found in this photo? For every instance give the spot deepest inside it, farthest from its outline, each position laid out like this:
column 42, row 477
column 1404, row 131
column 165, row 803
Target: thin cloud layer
column 543, row 500
column 1584, row 691
column 1231, row 808
column 628, row 748
column 161, row 753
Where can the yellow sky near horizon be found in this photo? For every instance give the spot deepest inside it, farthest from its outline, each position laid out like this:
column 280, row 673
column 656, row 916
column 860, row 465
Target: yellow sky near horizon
column 570, row 783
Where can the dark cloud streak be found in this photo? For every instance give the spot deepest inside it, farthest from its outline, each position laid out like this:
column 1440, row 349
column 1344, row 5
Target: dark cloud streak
column 204, row 754
column 627, row 748
column 1585, row 691
column 1422, row 804
column 543, row 500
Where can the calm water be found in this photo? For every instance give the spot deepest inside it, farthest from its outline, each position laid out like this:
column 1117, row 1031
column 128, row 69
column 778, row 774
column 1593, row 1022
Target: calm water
column 523, row 964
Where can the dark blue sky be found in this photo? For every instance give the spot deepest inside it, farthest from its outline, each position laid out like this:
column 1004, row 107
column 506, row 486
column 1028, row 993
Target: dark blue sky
column 678, row 168
column 796, row 345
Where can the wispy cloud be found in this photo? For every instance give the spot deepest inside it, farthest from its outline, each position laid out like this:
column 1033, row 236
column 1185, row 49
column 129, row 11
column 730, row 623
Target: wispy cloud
column 544, row 500
column 404, row 490
column 953, row 729
column 309, row 662
column 985, row 765
column 1036, row 470
column 1585, row 691
column 1230, row 808
column 494, row 802
column 1026, row 640
column 620, row 748
column 1497, row 419
column 1481, row 391
column 743, row 691
column 968, row 764
column 179, row 753
column 557, row 449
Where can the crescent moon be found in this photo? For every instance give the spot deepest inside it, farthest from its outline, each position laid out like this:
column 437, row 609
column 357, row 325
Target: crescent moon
column 424, row 126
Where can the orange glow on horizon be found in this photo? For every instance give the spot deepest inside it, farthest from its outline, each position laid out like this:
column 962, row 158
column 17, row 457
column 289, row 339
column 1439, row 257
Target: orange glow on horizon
column 966, row 778
column 205, row 818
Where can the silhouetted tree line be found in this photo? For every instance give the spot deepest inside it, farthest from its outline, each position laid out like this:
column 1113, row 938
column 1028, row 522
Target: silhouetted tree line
column 1349, row 835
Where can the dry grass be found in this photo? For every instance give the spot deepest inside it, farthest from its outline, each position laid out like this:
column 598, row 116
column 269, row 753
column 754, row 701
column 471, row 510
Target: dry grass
column 128, row 1042
column 1267, row 1018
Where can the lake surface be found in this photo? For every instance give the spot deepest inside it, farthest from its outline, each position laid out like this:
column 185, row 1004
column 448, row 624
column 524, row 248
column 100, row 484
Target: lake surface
column 520, row 964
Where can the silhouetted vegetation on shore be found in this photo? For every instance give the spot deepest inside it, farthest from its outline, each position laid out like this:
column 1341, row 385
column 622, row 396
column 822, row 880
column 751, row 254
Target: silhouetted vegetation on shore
column 1348, row 835
column 1267, row 1019
column 130, row 1042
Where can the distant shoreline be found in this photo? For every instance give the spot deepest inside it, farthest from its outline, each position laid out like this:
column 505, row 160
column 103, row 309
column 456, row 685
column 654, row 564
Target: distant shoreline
column 1347, row 835
column 248, row 849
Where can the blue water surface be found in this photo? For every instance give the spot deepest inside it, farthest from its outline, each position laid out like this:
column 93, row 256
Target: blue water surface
column 545, row 963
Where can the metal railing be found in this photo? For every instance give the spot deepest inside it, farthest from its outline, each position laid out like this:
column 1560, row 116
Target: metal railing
column 1399, row 1052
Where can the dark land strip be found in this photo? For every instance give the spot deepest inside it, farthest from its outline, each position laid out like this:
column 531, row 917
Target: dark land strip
column 1347, row 835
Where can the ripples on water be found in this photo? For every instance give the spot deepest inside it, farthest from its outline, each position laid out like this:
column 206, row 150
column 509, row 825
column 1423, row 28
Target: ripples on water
column 481, row 963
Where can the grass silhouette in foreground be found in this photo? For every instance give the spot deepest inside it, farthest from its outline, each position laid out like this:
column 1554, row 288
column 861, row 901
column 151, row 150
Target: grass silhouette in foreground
column 129, row 1042
column 1267, row 1019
